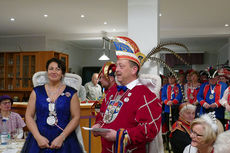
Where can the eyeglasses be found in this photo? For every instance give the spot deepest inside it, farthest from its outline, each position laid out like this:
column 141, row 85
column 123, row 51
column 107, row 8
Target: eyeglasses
column 5, row 103
column 196, row 134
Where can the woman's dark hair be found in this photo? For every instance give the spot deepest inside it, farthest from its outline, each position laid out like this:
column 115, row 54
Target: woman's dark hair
column 60, row 64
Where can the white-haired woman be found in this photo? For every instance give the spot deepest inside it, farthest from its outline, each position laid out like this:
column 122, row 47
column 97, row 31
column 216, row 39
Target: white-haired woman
column 204, row 131
column 180, row 133
column 222, row 143
column 225, row 102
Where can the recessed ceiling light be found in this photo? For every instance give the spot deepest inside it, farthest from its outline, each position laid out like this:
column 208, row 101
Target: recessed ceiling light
column 82, row 16
column 105, row 22
column 226, row 25
column 46, row 16
column 160, row 14
column 12, row 19
column 114, row 29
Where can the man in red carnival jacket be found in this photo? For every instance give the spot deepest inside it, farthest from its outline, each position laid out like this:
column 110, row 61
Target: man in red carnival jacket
column 133, row 112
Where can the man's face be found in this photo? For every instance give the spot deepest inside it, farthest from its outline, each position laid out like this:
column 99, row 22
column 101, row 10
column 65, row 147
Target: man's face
column 203, row 78
column 94, row 78
column 172, row 80
column 182, row 78
column 223, row 79
column 104, row 82
column 5, row 105
column 213, row 80
column 124, row 71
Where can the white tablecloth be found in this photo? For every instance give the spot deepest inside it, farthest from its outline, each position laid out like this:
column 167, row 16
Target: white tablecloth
column 14, row 146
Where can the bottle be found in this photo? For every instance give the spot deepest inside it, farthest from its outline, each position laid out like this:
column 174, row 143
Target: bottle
column 4, row 133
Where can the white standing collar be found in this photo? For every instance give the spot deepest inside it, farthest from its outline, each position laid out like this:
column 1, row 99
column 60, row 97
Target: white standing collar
column 132, row 84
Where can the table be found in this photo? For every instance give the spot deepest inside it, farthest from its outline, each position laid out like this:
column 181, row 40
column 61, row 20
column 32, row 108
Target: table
column 14, row 146
column 92, row 144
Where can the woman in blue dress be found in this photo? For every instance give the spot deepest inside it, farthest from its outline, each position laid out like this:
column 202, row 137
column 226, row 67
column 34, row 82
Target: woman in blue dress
column 57, row 111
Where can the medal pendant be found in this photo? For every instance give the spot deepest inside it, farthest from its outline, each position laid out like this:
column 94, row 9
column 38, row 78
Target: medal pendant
column 51, row 107
column 211, row 96
column 51, row 120
column 191, row 96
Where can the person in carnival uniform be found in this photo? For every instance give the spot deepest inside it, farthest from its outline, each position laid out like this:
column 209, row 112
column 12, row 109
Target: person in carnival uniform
column 107, row 79
column 224, row 74
column 180, row 133
column 225, row 100
column 171, row 96
column 107, row 75
column 210, row 94
column 192, row 90
column 203, row 76
column 133, row 114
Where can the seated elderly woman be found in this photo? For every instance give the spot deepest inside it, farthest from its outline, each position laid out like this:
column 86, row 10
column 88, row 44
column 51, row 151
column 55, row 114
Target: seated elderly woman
column 204, row 131
column 180, row 133
column 15, row 123
column 222, row 143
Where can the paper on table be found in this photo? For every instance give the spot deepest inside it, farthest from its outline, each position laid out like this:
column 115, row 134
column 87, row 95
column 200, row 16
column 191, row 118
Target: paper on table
column 96, row 129
column 10, row 151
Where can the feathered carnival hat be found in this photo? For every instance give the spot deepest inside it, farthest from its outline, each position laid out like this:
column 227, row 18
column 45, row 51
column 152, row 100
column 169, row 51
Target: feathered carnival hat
column 210, row 119
column 107, row 70
column 224, row 72
column 212, row 73
column 126, row 48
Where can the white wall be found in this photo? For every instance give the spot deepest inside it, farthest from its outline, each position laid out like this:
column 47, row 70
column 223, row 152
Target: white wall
column 22, row 43
column 74, row 52
column 223, row 53
column 90, row 57
column 79, row 57
column 229, row 49
column 210, row 59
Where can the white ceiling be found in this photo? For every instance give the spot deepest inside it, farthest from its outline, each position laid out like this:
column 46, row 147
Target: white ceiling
column 197, row 23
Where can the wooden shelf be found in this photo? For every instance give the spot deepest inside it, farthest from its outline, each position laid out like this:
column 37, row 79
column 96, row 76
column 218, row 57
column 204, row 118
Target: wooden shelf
column 22, row 66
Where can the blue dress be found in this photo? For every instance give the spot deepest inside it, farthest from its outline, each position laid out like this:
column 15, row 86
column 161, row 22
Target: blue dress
column 71, row 144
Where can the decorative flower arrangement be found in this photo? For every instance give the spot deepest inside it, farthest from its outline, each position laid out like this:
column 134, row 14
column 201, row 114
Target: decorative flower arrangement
column 67, row 94
column 48, row 99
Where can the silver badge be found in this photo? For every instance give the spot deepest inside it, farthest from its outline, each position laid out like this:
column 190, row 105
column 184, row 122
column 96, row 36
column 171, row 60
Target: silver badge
column 51, row 120
column 129, row 94
column 191, row 96
column 110, row 97
column 51, row 107
column 211, row 96
column 126, row 99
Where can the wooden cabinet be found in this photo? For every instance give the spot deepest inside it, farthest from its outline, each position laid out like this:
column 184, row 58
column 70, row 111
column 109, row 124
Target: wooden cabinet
column 17, row 69
column 2, row 71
